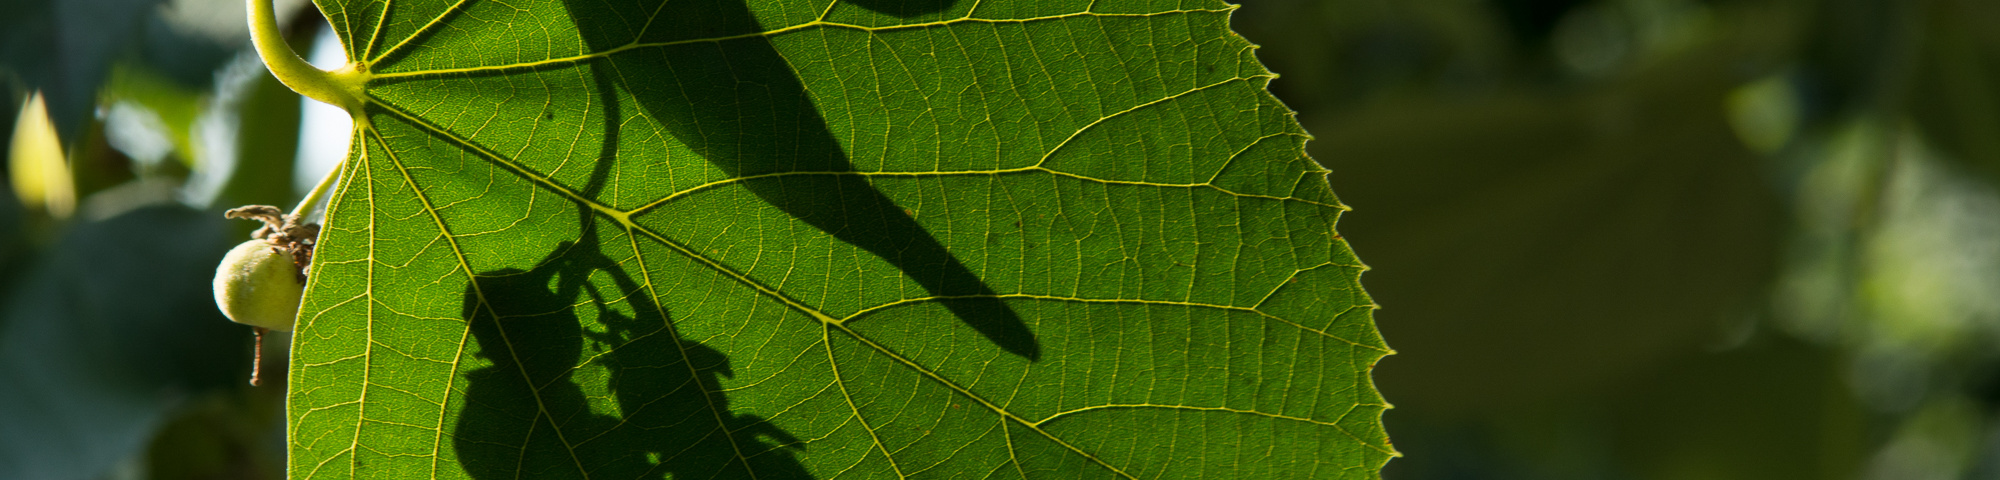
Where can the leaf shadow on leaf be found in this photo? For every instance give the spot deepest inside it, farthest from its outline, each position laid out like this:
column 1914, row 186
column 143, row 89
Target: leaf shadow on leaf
column 674, row 419
column 738, row 103
column 671, row 418
column 527, row 416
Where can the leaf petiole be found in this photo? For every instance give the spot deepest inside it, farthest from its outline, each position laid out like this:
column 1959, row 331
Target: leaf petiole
column 318, row 193
column 340, row 87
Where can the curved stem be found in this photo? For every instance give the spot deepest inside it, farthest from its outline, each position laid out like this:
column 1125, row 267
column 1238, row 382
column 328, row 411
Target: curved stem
column 340, row 88
column 311, row 202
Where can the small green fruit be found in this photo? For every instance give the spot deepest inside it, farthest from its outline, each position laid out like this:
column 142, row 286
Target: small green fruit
column 258, row 285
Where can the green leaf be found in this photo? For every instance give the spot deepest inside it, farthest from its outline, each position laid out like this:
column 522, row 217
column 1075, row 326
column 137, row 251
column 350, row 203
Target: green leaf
column 870, row 239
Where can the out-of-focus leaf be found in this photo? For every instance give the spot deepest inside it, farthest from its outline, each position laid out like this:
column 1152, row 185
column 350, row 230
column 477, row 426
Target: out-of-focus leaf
column 1342, row 53
column 1955, row 93
column 267, row 139
column 174, row 106
column 232, row 435
column 36, row 165
column 1774, row 408
column 790, row 239
column 105, row 334
column 1539, row 248
column 66, row 48
column 1765, row 113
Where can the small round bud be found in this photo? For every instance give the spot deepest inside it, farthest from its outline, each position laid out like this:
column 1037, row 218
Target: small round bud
column 258, row 285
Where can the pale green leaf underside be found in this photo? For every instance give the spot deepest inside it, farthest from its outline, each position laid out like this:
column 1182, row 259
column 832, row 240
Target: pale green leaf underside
column 879, row 239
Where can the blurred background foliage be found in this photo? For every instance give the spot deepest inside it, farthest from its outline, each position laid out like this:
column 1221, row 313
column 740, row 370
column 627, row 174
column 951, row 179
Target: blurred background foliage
column 130, row 125
column 1613, row 239
column 1660, row 239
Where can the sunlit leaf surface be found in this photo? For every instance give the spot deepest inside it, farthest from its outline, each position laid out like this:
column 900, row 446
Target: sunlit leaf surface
column 806, row 239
